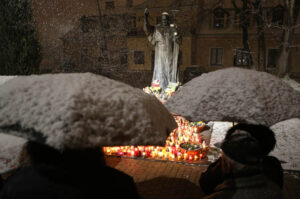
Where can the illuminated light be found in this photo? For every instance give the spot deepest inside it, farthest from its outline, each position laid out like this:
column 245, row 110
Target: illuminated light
column 199, row 139
column 179, row 156
column 195, row 130
column 136, row 152
column 148, row 153
column 185, row 156
column 128, row 151
column 195, row 157
column 167, row 155
column 160, row 154
column 153, row 154
column 172, row 156
column 172, row 150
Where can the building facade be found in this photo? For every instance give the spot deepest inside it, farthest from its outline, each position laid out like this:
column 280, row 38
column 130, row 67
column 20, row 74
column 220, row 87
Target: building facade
column 107, row 37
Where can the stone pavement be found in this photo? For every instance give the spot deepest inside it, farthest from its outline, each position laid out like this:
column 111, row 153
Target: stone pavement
column 164, row 180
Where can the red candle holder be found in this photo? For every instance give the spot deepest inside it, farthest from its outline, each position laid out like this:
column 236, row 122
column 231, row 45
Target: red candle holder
column 136, row 152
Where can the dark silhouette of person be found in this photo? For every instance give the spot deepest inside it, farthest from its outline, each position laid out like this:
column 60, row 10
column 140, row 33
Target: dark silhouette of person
column 72, row 173
column 1, row 182
column 245, row 170
column 273, row 170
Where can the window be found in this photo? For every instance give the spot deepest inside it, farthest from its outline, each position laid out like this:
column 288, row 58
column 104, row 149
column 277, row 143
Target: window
column 109, row 5
column 241, row 58
column 139, row 57
column 123, row 57
column 131, row 25
column 87, row 24
column 219, row 17
column 216, row 56
column 273, row 55
column 277, row 15
column 129, row 3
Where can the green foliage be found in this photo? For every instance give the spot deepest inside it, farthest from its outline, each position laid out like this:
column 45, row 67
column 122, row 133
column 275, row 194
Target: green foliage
column 19, row 46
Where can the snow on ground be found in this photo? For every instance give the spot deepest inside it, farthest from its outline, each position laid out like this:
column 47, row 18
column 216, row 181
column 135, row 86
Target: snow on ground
column 292, row 83
column 218, row 132
column 10, row 152
column 5, row 78
column 11, row 146
column 287, row 148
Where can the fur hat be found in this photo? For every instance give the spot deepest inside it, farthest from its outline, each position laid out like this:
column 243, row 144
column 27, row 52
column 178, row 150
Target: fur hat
column 248, row 144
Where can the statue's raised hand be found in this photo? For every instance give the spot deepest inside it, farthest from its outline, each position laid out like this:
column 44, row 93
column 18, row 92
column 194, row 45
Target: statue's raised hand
column 146, row 12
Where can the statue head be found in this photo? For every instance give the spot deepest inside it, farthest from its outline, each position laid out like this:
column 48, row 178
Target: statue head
column 165, row 19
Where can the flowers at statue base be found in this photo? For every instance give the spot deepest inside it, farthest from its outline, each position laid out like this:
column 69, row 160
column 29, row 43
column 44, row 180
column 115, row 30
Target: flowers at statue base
column 155, row 90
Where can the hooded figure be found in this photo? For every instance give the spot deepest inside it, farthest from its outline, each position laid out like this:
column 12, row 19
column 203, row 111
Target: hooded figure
column 166, row 40
column 242, row 171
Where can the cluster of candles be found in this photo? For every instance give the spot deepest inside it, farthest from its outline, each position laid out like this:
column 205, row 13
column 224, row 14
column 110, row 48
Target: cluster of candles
column 185, row 133
column 154, row 152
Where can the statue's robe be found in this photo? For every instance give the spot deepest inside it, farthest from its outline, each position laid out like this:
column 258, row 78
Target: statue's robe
column 166, row 54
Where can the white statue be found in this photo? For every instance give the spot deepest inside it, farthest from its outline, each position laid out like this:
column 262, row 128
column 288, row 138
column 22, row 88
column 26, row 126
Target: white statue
column 166, row 40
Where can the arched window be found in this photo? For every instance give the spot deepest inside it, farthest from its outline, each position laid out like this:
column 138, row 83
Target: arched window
column 216, row 56
column 219, row 18
column 139, row 57
column 273, row 55
column 278, row 15
column 109, row 5
column 129, row 3
column 241, row 58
